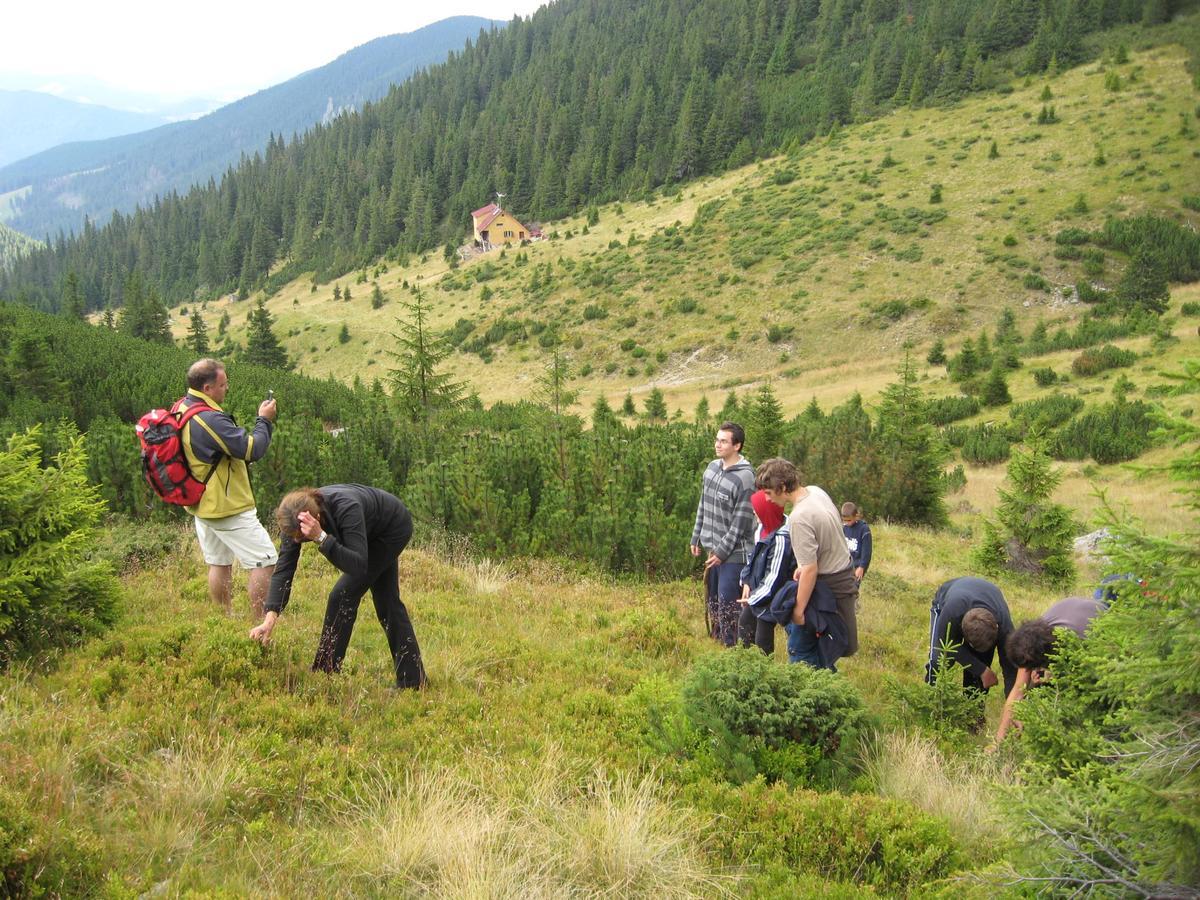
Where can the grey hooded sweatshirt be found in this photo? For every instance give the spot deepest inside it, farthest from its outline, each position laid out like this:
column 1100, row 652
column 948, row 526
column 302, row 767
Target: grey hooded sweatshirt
column 724, row 517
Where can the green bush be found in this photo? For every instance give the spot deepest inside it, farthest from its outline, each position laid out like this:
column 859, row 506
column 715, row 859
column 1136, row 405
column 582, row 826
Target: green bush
column 1043, row 414
column 1101, row 359
column 1072, row 237
column 985, row 445
column 54, row 593
column 1044, row 376
column 945, row 410
column 1115, row 432
column 942, row 710
column 1189, row 309
column 774, row 831
column 791, row 723
column 40, row 858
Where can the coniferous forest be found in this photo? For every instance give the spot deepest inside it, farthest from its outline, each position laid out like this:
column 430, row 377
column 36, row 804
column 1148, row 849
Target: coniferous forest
column 586, row 101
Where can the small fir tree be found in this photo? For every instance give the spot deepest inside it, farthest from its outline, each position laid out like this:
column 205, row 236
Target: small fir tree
column 765, row 424
column 420, row 389
column 656, row 406
column 377, row 297
column 1030, row 535
column 1144, row 284
column 937, row 353
column 262, row 346
column 627, row 407
column 344, row 334
column 994, row 391
column 197, row 339
column 73, row 306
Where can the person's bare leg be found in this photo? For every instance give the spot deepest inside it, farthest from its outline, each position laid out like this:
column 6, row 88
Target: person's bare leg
column 257, row 584
column 220, row 587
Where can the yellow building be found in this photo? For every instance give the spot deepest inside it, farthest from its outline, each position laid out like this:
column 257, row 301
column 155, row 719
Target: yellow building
column 493, row 227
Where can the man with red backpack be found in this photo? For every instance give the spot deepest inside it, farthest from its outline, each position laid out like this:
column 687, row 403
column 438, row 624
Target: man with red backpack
column 218, row 451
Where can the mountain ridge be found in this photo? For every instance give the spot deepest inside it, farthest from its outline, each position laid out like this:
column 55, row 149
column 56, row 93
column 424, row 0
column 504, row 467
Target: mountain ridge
column 93, row 178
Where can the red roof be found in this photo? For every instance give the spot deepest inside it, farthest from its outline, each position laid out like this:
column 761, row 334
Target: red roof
column 488, row 217
column 484, row 210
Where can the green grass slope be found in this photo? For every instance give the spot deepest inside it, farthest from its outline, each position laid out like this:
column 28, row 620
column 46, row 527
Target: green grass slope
column 175, row 756
column 814, row 270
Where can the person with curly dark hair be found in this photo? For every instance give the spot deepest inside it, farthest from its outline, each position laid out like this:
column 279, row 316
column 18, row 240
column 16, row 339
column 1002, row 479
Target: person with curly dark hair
column 1031, row 645
column 362, row 531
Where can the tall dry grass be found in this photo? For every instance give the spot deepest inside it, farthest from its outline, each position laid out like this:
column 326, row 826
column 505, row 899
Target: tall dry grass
column 962, row 790
column 545, row 834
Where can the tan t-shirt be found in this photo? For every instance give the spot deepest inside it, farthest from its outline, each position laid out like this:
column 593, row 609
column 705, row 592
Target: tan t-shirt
column 817, row 536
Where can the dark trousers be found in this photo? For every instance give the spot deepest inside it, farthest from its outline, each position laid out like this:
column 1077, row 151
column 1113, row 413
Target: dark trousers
column 756, row 632
column 723, row 609
column 383, row 581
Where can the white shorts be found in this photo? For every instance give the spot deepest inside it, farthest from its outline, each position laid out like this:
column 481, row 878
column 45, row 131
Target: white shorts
column 240, row 537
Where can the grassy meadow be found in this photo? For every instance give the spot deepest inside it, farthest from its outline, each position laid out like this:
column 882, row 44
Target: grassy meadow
column 174, row 756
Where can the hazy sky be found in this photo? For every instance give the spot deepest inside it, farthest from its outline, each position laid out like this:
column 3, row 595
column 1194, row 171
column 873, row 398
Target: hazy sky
column 221, row 49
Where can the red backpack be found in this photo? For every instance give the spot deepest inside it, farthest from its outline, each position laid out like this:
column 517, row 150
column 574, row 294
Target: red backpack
column 164, row 464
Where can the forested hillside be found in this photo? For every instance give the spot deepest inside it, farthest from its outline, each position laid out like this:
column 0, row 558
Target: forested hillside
column 585, row 101
column 13, row 245
column 92, row 178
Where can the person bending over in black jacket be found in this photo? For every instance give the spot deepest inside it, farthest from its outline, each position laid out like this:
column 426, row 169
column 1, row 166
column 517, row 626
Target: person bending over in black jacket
column 362, row 531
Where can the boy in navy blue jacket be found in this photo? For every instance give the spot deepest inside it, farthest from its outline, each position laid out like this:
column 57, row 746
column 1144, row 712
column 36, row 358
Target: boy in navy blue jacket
column 769, row 568
column 858, row 539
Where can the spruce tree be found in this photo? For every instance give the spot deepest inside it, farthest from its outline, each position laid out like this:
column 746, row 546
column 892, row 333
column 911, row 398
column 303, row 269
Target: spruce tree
column 937, row 353
column 994, row 391
column 602, row 414
column 915, row 449
column 627, row 407
column 764, row 424
column 197, row 338
column 1029, row 535
column 656, row 406
column 731, row 411
column 702, row 411
column 419, row 389
column 73, row 306
column 1144, row 284
column 262, row 346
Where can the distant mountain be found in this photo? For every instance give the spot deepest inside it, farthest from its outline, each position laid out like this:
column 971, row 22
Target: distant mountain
column 31, row 122
column 93, row 178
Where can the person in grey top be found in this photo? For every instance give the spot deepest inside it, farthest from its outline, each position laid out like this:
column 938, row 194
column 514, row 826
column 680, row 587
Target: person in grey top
column 725, row 528
column 1030, row 646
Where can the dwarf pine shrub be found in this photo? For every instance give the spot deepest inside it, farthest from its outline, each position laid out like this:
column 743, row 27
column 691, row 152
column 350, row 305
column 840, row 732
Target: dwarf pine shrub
column 54, row 592
column 791, row 723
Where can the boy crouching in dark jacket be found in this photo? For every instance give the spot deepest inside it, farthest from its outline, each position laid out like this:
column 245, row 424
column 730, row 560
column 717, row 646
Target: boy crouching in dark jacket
column 769, row 568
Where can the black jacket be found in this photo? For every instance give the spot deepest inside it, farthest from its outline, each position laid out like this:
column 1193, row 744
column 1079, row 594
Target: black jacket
column 821, row 615
column 953, row 600
column 354, row 517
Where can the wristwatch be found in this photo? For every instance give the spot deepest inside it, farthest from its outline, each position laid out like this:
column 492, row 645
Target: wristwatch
column 321, row 537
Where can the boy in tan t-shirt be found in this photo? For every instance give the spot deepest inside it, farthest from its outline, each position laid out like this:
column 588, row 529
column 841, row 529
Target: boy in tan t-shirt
column 817, row 541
